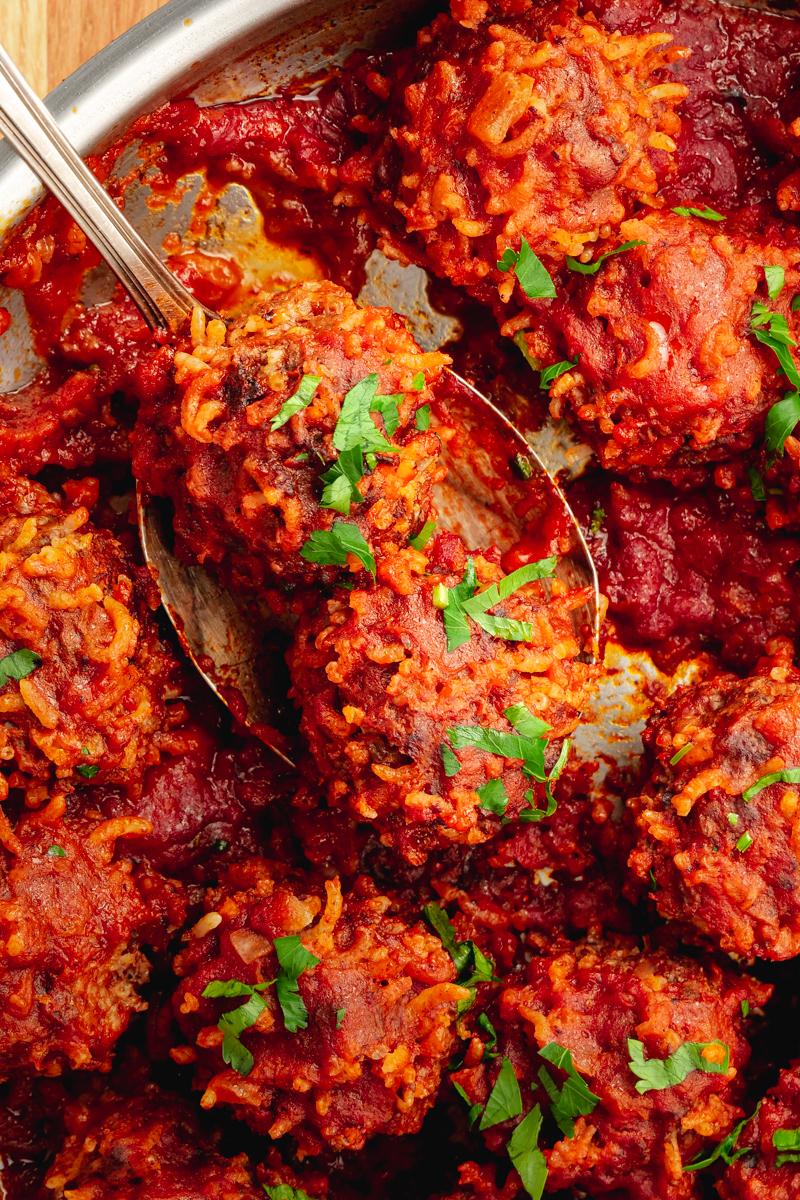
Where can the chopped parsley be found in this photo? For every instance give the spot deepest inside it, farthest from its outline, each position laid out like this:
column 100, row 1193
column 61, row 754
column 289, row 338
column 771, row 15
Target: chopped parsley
column 471, row 963
column 795, row 302
column 789, row 775
column 465, row 601
column 330, row 547
column 745, row 1007
column 355, row 426
column 527, row 1158
column 475, row 1110
column 591, row 268
column 87, row 771
column 283, row 1191
column 522, row 466
column 505, row 1099
column 783, row 416
column 341, row 481
column 418, row 382
column 57, row 852
column 733, row 819
column 725, row 1148
column 340, row 1015
column 486, row 1025
column 528, row 746
column 300, row 400
column 788, row 1141
column 598, row 517
column 18, row 665
column 653, row 881
column 423, row 418
column 744, row 842
column 679, row 754
column 659, row 1073
column 757, row 489
column 706, row 214
column 387, row 407
column 547, row 376
column 776, row 278
column 233, row 1024
column 522, row 343
column 219, row 846
column 423, row 537
column 293, row 960
column 532, row 275
column 493, row 796
column 537, row 814
column 451, row 764
column 572, row 1100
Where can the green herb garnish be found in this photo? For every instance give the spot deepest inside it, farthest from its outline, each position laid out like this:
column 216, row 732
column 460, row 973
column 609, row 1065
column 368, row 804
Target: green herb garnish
column 598, row 517
column 493, row 796
column 466, row 601
column 659, row 1073
column 451, row 764
column 283, row 1191
column 57, row 852
column 505, row 1100
column 757, row 489
column 423, row 418
column 387, row 407
column 547, row 376
column 679, row 754
column 424, row 536
column 340, row 1015
column 572, row 1100
column 524, row 1152
column 331, row 547
column 341, row 481
column 300, row 400
column 787, row 1140
column 776, row 278
column 233, row 1024
column 789, row 775
column 707, row 214
column 475, row 1110
column 725, row 1148
column 744, row 842
column 18, row 665
column 532, row 275
column 293, row 960
column 471, row 963
column 591, row 268
column 87, row 771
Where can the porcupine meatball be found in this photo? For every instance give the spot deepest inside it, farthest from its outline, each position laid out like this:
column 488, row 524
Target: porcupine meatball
column 147, row 1146
column 592, row 997
column 84, row 676
column 519, row 121
column 245, row 477
column 722, row 856
column 70, row 923
column 670, row 374
column 380, row 1004
column 379, row 691
column 756, row 1175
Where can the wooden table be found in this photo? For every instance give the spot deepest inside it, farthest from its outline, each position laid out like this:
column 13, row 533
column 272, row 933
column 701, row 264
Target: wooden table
column 49, row 39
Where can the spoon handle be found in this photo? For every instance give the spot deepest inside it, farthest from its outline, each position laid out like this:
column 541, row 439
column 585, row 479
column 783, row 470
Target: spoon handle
column 161, row 298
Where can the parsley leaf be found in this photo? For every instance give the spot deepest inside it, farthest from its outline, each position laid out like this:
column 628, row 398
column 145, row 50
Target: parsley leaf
column 300, row 400
column 471, row 963
column 340, row 1015
column 572, row 1100
column 451, row 764
column 486, row 1025
column 591, row 268
column 598, row 517
column 232, row 1024
column 725, row 1148
column 789, row 775
column 474, row 1109
column 283, row 1191
column 423, row 537
column 418, row 382
column 57, row 852
column 330, row 547
column 532, row 275
column 493, row 796
column 505, row 1099
column 757, row 489
column 659, row 1073
column 524, row 1152
column 87, row 771
column 776, row 278
column 293, row 960
column 355, row 426
column 18, row 665
column 423, row 418
column 507, row 745
column 547, row 376
column 707, row 214
column 787, row 1140
column 341, row 481
column 387, row 407
column 744, row 842
column 679, row 754
column 781, row 421
column 465, row 600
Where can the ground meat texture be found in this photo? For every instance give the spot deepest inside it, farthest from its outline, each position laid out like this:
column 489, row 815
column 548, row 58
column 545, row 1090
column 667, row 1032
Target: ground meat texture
column 686, row 571
column 71, row 595
column 247, row 497
column 669, row 373
column 379, row 1071
column 756, row 1176
column 379, row 690
column 692, row 815
column 70, row 966
column 538, row 125
column 148, row 1146
column 590, row 998
column 478, row 1181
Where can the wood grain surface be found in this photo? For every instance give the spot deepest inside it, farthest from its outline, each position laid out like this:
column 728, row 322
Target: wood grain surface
column 49, row 39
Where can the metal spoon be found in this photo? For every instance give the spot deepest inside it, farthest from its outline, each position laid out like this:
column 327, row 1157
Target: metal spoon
column 215, row 626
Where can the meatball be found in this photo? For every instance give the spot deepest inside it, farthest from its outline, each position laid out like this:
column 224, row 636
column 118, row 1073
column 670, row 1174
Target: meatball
column 260, row 414
column 359, row 1044
column 718, row 830
column 478, row 1181
column 757, row 1175
column 83, row 676
column 613, row 1006
column 669, row 372
column 146, row 1146
column 528, row 122
column 70, row 962
column 381, row 692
